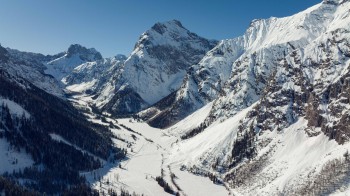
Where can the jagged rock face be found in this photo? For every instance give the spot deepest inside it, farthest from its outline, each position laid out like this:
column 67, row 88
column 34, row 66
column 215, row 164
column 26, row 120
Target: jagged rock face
column 252, row 71
column 300, row 74
column 84, row 53
column 154, row 69
column 335, row 2
column 235, row 72
column 172, row 47
column 289, row 82
column 161, row 58
column 310, row 82
column 202, row 84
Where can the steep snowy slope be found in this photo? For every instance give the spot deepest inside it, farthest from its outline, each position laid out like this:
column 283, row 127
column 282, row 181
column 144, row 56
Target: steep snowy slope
column 12, row 158
column 155, row 69
column 160, row 59
column 29, row 117
column 275, row 39
column 75, row 55
column 280, row 124
column 202, row 84
column 92, row 77
column 31, row 67
column 237, row 70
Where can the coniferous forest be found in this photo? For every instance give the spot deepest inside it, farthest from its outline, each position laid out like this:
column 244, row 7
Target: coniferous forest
column 57, row 164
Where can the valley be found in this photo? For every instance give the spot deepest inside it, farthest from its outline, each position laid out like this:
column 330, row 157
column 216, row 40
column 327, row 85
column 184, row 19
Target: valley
column 150, row 155
column 264, row 113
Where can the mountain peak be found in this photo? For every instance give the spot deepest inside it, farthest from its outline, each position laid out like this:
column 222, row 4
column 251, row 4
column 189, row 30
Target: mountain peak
column 171, row 33
column 334, row 2
column 176, row 22
column 84, row 53
column 120, row 57
column 172, row 25
column 3, row 54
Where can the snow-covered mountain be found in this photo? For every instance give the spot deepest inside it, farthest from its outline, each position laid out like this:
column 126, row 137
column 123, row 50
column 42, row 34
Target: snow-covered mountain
column 92, row 77
column 266, row 113
column 278, row 122
column 35, row 118
column 30, row 66
column 67, row 61
column 237, row 70
column 160, row 59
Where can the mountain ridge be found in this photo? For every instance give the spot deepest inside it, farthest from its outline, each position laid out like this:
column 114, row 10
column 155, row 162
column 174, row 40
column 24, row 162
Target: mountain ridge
column 125, row 92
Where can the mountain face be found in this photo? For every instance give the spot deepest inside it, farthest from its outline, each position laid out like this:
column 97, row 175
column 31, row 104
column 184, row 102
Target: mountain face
column 235, row 73
column 285, row 99
column 30, row 66
column 160, row 59
column 46, row 71
column 33, row 123
column 202, row 84
column 92, row 77
column 66, row 62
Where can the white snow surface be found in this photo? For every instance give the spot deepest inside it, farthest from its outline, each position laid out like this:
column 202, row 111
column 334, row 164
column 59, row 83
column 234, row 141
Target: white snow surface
column 15, row 109
column 231, row 71
column 236, row 67
column 294, row 156
column 82, row 86
column 12, row 159
column 149, row 155
column 73, row 57
column 215, row 140
column 25, row 66
column 63, row 66
column 190, row 122
column 230, row 77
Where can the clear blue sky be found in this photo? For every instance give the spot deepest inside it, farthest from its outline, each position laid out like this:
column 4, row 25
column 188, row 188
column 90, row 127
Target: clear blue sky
column 113, row 26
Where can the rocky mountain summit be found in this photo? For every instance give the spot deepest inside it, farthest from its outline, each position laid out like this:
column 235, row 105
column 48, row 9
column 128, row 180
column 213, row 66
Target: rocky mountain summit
column 160, row 59
column 67, row 61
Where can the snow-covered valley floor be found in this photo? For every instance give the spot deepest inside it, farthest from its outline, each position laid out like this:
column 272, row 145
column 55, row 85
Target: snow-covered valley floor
column 149, row 156
column 153, row 153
